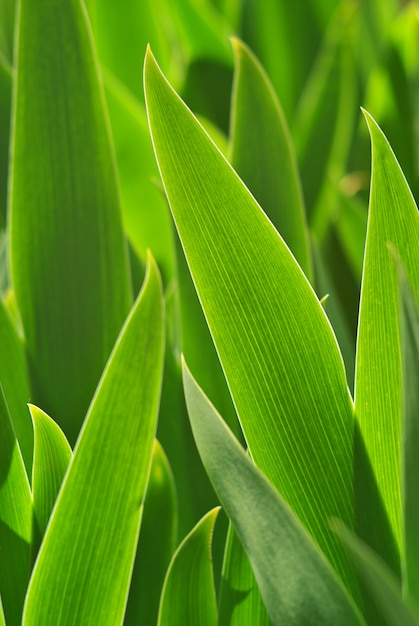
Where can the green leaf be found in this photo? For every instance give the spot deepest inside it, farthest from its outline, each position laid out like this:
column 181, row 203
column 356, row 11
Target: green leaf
column 188, row 596
column 157, row 542
column 52, row 454
column 240, row 600
column 5, row 109
column 380, row 580
column 410, row 440
column 7, row 28
column 68, row 257
column 14, row 380
column 15, row 521
column 278, row 352
column 262, row 153
column 271, row 534
column 2, row 618
column 84, row 566
column 393, row 217
column 145, row 212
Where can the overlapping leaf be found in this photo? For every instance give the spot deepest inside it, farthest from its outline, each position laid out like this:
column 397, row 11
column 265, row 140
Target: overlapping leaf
column 393, row 217
column 274, row 539
column 278, row 352
column 188, row 595
column 84, row 566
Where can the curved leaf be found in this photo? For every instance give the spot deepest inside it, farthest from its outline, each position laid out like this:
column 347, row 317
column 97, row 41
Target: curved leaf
column 157, row 542
column 188, row 596
column 274, row 539
column 84, row 566
column 68, row 257
column 276, row 346
column 262, row 152
column 15, row 521
column 393, row 217
column 52, row 454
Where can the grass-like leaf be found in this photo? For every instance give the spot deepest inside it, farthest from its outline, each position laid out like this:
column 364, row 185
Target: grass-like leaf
column 240, row 600
column 157, row 542
column 68, row 257
column 410, row 441
column 273, row 537
column 188, row 596
column 15, row 521
column 52, row 454
column 393, row 217
column 84, row 566
column 277, row 349
column 14, row 380
column 263, row 155
column 381, row 581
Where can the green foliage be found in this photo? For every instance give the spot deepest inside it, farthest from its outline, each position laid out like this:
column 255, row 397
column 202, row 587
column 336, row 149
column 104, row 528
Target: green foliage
column 227, row 196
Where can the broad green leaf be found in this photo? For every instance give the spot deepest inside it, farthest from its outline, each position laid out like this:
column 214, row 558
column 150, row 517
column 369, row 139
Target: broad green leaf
column 240, row 600
column 410, row 441
column 262, row 153
column 5, row 109
column 276, row 346
column 84, row 566
column 274, row 539
column 52, row 454
column 68, row 256
column 380, row 580
column 144, row 208
column 393, row 217
column 15, row 521
column 14, row 380
column 157, row 542
column 188, row 596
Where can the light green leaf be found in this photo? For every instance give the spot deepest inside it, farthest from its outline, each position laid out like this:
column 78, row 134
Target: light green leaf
column 410, row 441
column 2, row 618
column 276, row 346
column 188, row 596
column 393, row 217
column 68, row 257
column 15, row 521
column 240, row 600
column 14, row 380
column 262, row 153
column 52, row 454
column 5, row 108
column 380, row 580
column 157, row 542
column 84, row 566
column 273, row 537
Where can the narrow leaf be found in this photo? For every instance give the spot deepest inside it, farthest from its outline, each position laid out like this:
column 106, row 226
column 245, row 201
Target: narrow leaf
column 84, row 566
column 52, row 454
column 262, row 153
column 14, row 380
column 410, row 441
column 15, row 521
column 393, row 217
column 240, row 600
column 381, row 581
column 276, row 346
column 157, row 542
column 68, row 257
column 188, row 597
column 273, row 537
